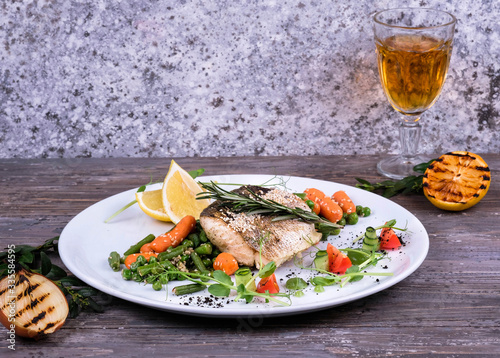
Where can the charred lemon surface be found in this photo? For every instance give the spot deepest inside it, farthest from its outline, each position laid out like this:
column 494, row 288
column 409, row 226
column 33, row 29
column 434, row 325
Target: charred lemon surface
column 457, row 181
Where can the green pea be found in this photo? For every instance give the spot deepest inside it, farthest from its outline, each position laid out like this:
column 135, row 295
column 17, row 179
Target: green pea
column 195, row 239
column 310, row 203
column 342, row 222
column 207, row 262
column 352, row 219
column 359, row 210
column 157, row 286
column 127, row 274
column 366, row 211
column 215, row 252
column 335, row 231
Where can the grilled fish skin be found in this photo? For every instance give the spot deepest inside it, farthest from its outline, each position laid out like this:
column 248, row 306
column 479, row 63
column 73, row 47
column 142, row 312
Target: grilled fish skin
column 242, row 235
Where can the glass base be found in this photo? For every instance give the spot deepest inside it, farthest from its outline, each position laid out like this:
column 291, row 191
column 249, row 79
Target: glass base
column 399, row 167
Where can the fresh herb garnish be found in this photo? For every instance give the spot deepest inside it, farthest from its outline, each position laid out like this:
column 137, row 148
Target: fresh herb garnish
column 36, row 259
column 254, row 204
column 389, row 188
column 389, row 224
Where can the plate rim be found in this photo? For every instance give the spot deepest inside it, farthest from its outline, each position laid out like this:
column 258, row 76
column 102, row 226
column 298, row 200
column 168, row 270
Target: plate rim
column 65, row 244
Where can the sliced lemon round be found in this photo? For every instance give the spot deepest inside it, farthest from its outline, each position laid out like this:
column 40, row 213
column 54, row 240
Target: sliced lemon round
column 456, row 181
column 152, row 204
column 179, row 194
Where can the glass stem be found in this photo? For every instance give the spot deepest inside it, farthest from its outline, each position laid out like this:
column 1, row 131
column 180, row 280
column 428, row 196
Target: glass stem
column 409, row 133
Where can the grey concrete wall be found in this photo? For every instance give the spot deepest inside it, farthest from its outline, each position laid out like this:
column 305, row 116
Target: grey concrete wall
column 222, row 78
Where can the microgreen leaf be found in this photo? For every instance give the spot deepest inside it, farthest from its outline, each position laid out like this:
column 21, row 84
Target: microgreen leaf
column 196, row 173
column 267, row 270
column 324, row 281
column 222, row 277
column 296, row 283
column 219, row 290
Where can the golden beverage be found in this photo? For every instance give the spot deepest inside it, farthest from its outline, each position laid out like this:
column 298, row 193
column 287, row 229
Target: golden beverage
column 412, row 70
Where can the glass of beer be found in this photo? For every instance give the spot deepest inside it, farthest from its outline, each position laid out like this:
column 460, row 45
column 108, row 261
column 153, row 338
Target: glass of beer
column 413, row 53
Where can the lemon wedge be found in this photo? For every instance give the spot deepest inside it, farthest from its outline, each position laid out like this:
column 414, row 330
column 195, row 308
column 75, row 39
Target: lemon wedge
column 179, row 194
column 152, row 204
column 457, row 181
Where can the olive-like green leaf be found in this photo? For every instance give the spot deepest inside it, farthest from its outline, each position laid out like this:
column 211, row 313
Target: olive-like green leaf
column 46, row 264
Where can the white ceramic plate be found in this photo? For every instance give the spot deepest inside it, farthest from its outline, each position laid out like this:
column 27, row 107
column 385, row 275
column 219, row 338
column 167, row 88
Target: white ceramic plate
column 86, row 242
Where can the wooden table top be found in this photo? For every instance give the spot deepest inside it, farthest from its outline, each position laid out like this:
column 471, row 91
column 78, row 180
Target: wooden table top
column 450, row 306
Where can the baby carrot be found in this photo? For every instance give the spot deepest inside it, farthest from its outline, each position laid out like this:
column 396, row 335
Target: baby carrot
column 174, row 236
column 146, row 248
column 226, row 262
column 133, row 257
column 314, row 194
column 328, row 208
column 344, row 201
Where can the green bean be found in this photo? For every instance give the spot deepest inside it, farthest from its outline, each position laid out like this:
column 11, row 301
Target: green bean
column 179, row 250
column 152, row 260
column 203, row 236
column 187, row 289
column 199, row 264
column 134, row 249
column 204, row 249
column 167, row 265
column 163, row 279
column 149, row 269
column 195, row 239
column 114, row 261
column 136, row 277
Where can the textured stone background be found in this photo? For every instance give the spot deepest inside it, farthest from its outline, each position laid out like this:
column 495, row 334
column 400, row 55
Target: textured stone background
column 221, row 78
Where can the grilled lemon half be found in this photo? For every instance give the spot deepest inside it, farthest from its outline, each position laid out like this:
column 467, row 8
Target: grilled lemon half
column 456, row 181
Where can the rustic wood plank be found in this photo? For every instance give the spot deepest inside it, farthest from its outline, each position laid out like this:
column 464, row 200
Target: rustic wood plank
column 448, row 307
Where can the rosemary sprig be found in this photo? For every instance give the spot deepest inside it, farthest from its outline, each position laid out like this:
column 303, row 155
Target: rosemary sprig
column 409, row 184
column 254, row 204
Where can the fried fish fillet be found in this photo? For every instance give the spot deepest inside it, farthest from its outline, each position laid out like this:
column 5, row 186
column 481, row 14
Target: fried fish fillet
column 242, row 235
